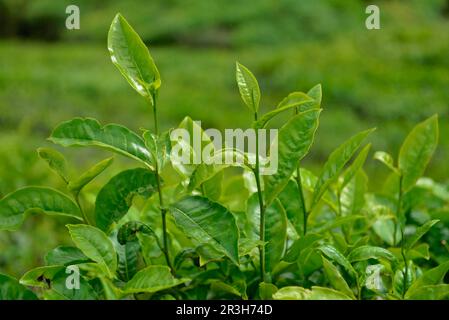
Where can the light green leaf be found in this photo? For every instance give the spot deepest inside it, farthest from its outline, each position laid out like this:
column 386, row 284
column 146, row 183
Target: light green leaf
column 266, row 290
column 386, row 159
column 152, row 279
column 336, row 162
column 55, row 160
column 113, row 137
column 417, row 150
column 433, row 276
column 335, row 255
column 434, row 292
column 370, row 252
column 159, row 147
column 355, row 167
column 115, row 198
column 294, row 100
column 294, row 141
column 317, row 293
column 420, row 232
column 40, row 276
column 64, row 256
column 248, row 87
column 352, row 198
column 208, row 223
column 11, row 289
column 15, row 206
column 95, row 245
column 275, row 229
column 336, row 279
column 316, row 94
column 130, row 55
column 78, row 184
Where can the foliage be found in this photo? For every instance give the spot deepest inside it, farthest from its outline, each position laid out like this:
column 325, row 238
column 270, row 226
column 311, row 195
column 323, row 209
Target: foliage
column 164, row 230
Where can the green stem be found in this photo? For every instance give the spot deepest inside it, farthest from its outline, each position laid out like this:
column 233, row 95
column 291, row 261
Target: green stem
column 404, row 258
column 302, row 198
column 261, row 208
column 159, row 190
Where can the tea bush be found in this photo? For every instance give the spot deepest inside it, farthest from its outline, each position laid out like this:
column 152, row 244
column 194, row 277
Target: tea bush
column 165, row 230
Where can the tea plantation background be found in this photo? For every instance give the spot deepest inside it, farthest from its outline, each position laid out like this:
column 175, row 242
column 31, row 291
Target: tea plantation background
column 389, row 78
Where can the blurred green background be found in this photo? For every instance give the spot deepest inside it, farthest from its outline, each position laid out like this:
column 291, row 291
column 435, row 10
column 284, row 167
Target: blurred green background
column 389, row 78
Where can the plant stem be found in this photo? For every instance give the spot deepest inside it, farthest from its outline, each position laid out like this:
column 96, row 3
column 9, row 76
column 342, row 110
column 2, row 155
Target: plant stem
column 77, row 200
column 301, row 198
column 159, row 190
column 404, row 258
column 261, row 208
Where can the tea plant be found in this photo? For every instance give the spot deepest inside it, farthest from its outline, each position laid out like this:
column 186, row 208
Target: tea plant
column 204, row 234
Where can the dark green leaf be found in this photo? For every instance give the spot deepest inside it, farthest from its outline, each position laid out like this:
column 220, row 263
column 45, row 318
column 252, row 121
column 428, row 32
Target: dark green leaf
column 115, row 198
column 11, row 289
column 208, row 223
column 65, row 256
column 113, row 137
column 15, row 206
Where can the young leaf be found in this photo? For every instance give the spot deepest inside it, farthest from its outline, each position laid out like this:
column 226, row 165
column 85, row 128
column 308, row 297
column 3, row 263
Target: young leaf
column 417, row 150
column 55, row 160
column 316, row 293
column 420, row 232
column 95, row 245
column 64, row 256
column 295, row 139
column 152, row 279
column 15, row 206
column 208, row 222
column 369, row 252
column 336, row 279
column 433, row 276
column 115, row 198
column 275, row 229
column 434, row 292
column 386, row 159
column 336, row 162
column 316, row 93
column 11, row 289
column 297, row 101
column 113, row 137
column 355, row 167
column 248, row 87
column 130, row 55
column 335, row 255
column 78, row 184
column 40, row 276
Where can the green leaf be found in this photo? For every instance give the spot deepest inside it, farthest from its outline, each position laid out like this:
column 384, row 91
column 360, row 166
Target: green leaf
column 352, row 198
column 159, row 147
column 336, row 279
column 78, row 184
column 355, row 167
column 113, row 137
column 291, row 201
column 317, row 293
column 115, row 198
column 435, row 292
column 60, row 291
column 152, row 279
column 95, row 245
column 336, row 162
column 11, row 289
column 335, row 255
column 55, row 160
column 15, row 206
column 128, row 232
column 208, row 223
column 40, row 276
column 275, row 229
column 417, row 150
column 294, row 141
column 248, row 87
column 266, row 290
column 316, row 94
column 128, row 259
column 130, row 55
column 370, row 252
column 386, row 159
column 64, row 256
column 420, row 232
column 433, row 276
column 294, row 100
